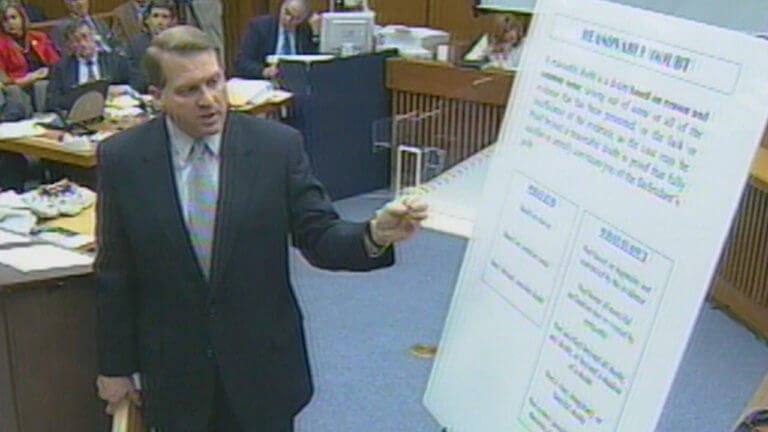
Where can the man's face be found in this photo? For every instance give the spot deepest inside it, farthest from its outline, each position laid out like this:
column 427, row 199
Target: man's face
column 77, row 7
column 194, row 95
column 159, row 19
column 82, row 43
column 292, row 14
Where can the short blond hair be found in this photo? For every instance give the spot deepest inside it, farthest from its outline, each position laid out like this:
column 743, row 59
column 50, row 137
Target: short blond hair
column 180, row 40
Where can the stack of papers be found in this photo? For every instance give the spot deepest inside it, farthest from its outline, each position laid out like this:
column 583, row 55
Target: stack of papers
column 20, row 129
column 7, row 238
column 17, row 220
column 63, row 237
column 15, row 214
column 244, row 91
column 38, row 257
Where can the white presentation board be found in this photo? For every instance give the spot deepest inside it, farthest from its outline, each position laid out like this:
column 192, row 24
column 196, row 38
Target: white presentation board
column 617, row 173
column 749, row 16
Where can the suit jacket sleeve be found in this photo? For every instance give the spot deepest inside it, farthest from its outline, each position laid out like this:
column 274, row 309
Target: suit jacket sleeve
column 324, row 239
column 115, row 273
column 119, row 69
column 254, row 48
column 57, row 85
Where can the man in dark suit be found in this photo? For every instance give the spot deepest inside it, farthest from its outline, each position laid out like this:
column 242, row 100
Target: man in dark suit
column 79, row 10
column 291, row 32
column 195, row 211
column 83, row 64
column 158, row 15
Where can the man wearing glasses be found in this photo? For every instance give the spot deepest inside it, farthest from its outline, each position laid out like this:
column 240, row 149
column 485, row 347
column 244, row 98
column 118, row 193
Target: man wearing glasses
column 294, row 31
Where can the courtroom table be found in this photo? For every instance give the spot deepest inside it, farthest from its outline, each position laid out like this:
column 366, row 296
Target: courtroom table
column 48, row 358
column 80, row 164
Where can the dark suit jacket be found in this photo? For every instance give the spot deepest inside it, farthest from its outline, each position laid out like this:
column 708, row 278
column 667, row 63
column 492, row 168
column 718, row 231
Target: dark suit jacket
column 157, row 312
column 259, row 41
column 64, row 76
column 59, row 38
column 137, row 46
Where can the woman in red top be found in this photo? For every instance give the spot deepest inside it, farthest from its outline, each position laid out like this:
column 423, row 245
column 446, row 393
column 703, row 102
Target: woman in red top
column 24, row 55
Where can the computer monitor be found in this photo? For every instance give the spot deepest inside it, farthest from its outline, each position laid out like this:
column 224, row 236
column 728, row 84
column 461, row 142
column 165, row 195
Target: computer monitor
column 346, row 33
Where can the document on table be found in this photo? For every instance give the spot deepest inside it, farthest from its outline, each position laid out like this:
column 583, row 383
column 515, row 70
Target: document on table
column 20, row 129
column 244, row 91
column 618, row 169
column 42, row 257
column 303, row 58
column 7, row 238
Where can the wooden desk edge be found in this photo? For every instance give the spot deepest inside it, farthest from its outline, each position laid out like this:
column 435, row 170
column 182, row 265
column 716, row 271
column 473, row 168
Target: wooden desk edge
column 759, row 170
column 449, row 81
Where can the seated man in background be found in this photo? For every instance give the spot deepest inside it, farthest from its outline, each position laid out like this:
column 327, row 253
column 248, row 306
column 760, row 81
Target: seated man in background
column 128, row 21
column 79, row 10
column 158, row 16
column 82, row 64
column 292, row 32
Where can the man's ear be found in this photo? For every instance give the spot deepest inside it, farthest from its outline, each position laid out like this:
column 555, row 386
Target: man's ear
column 157, row 95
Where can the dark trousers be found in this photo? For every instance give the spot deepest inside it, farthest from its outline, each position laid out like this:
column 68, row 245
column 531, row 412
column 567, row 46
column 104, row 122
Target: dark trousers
column 13, row 171
column 223, row 418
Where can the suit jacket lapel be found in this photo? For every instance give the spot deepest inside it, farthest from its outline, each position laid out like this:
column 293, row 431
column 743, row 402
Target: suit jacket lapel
column 235, row 192
column 161, row 194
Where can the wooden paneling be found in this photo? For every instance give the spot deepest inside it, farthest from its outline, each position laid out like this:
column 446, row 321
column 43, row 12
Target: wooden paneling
column 236, row 14
column 406, row 12
column 55, row 8
column 741, row 283
column 458, row 17
column 58, row 322
column 314, row 5
column 8, row 409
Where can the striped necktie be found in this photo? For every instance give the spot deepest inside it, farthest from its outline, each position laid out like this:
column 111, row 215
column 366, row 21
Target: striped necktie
column 201, row 208
column 91, row 64
column 287, row 47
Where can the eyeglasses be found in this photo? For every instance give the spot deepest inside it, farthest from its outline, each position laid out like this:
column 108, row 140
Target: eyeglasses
column 753, row 420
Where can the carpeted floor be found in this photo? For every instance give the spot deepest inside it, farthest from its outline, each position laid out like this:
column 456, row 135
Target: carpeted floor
column 360, row 328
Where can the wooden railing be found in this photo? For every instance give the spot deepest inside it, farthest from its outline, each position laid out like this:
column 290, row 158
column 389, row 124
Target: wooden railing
column 741, row 281
column 441, row 106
